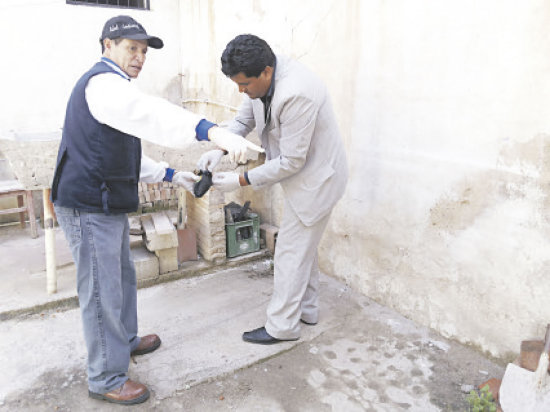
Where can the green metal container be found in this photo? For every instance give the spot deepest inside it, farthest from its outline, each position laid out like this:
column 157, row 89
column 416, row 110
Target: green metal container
column 243, row 237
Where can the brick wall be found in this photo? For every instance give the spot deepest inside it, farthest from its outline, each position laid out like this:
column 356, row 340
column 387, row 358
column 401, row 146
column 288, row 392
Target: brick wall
column 205, row 216
column 156, row 196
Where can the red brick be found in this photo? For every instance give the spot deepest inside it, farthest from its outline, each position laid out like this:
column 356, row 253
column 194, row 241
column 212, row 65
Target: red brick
column 494, row 387
column 530, row 354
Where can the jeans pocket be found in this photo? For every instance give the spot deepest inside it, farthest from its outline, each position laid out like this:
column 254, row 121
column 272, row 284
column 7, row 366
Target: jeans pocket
column 71, row 228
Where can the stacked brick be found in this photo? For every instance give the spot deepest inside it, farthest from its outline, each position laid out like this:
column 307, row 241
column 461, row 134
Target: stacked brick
column 205, row 216
column 32, row 162
column 156, row 196
column 162, row 239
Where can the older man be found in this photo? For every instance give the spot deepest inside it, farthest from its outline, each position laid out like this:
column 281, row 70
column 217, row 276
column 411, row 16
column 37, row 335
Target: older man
column 95, row 185
column 290, row 108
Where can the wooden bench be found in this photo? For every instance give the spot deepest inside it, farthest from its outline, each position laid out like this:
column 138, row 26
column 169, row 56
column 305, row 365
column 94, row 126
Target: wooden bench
column 12, row 188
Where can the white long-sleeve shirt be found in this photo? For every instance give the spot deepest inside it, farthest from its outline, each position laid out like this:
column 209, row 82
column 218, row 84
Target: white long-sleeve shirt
column 116, row 102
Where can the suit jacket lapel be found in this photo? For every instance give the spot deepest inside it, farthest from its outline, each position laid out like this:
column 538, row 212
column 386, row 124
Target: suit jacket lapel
column 258, row 108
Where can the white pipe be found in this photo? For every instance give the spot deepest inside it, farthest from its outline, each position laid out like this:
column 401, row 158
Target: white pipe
column 49, row 235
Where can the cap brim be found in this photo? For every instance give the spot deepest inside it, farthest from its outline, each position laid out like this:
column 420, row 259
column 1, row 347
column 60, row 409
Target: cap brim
column 152, row 41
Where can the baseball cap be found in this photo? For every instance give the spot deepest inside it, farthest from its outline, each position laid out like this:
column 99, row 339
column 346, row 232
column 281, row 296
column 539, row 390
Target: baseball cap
column 127, row 28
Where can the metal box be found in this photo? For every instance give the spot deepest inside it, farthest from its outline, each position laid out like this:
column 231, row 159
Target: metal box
column 243, row 237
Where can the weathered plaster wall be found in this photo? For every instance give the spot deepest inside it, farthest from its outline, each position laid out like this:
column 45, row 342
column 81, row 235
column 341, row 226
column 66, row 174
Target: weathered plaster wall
column 445, row 216
column 49, row 44
column 443, row 107
column 298, row 29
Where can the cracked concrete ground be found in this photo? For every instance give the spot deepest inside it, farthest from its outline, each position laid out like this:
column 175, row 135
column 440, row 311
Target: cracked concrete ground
column 361, row 356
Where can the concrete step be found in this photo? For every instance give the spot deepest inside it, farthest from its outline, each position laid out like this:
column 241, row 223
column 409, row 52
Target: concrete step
column 24, row 274
column 146, row 263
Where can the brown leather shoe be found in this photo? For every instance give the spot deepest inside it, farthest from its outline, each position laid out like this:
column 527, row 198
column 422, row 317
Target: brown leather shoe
column 128, row 394
column 147, row 344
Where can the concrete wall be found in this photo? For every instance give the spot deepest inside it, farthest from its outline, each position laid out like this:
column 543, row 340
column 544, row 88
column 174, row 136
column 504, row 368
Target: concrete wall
column 442, row 106
column 449, row 164
column 445, row 216
column 443, row 110
column 49, row 44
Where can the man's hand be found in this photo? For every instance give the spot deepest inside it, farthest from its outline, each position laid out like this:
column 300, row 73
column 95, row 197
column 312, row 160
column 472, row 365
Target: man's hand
column 185, row 179
column 234, row 144
column 209, row 160
column 226, row 181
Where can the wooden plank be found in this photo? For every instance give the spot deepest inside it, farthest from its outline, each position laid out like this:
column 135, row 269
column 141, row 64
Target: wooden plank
column 14, row 210
column 11, row 187
column 32, row 215
column 11, row 193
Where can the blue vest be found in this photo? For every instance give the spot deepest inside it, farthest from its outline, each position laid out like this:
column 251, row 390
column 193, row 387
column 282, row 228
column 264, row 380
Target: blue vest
column 97, row 166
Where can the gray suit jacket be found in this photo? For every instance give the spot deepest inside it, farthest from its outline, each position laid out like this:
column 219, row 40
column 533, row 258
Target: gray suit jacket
column 304, row 149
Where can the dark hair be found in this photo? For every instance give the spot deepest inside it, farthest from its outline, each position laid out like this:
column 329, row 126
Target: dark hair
column 248, row 54
column 117, row 41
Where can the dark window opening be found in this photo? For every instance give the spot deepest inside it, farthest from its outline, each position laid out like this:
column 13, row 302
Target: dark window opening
column 123, row 4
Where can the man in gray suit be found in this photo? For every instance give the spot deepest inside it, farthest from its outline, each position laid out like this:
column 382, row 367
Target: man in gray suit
column 290, row 108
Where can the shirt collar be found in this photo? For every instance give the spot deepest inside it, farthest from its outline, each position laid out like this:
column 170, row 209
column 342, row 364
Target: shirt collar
column 272, row 86
column 115, row 67
column 269, row 95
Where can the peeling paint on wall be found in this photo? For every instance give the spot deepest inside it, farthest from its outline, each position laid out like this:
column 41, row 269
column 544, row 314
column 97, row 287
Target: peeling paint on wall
column 443, row 109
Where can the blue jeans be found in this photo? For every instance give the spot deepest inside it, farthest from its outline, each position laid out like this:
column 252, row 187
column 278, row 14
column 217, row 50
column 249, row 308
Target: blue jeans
column 107, row 292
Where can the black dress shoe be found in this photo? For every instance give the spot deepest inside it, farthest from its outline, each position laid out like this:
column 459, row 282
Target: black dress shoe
column 261, row 336
column 308, row 323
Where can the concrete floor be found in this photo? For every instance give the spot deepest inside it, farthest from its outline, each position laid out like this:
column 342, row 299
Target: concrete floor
column 360, row 357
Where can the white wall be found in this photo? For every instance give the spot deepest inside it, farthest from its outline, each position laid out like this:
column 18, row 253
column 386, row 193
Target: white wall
column 443, row 107
column 47, row 45
column 449, row 163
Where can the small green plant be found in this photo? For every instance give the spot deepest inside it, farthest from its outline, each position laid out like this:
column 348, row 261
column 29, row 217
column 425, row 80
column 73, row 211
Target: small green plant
column 482, row 402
